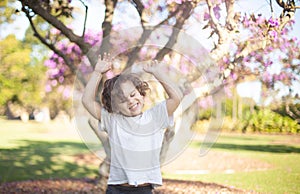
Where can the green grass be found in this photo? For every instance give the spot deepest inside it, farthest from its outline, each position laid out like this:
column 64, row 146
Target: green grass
column 40, row 151
column 281, row 152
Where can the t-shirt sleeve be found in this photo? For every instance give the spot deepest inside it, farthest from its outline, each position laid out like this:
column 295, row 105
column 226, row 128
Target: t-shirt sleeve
column 105, row 120
column 161, row 115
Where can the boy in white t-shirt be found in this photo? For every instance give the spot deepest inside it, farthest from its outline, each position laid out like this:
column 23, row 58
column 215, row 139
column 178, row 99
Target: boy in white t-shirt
column 135, row 136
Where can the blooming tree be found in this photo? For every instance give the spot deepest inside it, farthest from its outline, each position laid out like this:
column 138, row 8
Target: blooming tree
column 246, row 46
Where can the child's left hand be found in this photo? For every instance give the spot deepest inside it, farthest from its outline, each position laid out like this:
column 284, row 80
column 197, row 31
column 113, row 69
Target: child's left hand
column 152, row 67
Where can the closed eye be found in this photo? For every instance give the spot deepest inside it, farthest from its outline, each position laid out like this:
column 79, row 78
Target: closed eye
column 132, row 95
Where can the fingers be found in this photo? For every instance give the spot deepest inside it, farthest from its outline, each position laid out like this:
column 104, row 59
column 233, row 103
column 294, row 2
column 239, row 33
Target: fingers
column 106, row 57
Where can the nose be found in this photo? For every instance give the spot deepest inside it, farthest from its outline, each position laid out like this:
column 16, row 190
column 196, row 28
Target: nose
column 130, row 100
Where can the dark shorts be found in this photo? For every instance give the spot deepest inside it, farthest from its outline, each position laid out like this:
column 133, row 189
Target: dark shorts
column 118, row 189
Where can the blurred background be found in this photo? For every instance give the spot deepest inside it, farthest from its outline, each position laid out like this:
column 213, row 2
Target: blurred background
column 237, row 62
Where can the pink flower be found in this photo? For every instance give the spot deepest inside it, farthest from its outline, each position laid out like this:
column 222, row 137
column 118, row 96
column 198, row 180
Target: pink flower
column 50, row 64
column 225, row 59
column 54, row 82
column 48, row 88
column 267, row 77
column 260, row 20
column 233, row 76
column 217, row 10
column 268, row 63
column 273, row 22
column 206, row 16
column 61, row 79
column 66, row 93
column 273, row 34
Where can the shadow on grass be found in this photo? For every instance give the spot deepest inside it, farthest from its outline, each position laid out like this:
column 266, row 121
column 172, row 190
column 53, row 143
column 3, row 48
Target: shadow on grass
column 42, row 160
column 258, row 148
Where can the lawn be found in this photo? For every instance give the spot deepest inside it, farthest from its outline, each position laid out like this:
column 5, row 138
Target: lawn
column 280, row 152
column 41, row 151
column 46, row 151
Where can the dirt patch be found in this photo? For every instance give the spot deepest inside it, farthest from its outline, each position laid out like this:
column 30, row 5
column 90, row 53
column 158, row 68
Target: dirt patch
column 190, row 162
column 89, row 186
column 292, row 140
column 84, row 159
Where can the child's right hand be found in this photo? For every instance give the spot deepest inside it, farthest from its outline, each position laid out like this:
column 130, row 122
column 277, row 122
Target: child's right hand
column 105, row 64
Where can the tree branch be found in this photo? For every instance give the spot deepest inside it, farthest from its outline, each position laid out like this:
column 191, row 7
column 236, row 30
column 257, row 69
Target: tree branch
column 180, row 20
column 288, row 12
column 230, row 22
column 140, row 9
column 218, row 28
column 36, row 8
column 107, row 25
column 85, row 17
column 145, row 35
column 52, row 47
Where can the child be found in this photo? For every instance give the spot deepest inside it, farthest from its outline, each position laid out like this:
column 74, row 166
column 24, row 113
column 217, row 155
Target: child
column 135, row 136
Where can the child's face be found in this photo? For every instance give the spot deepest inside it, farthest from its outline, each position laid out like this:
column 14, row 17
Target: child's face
column 133, row 103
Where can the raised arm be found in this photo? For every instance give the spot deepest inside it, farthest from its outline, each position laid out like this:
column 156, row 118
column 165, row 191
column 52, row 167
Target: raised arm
column 91, row 89
column 174, row 93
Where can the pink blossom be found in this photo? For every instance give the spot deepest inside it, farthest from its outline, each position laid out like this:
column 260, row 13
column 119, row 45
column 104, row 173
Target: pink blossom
column 206, row 16
column 54, row 82
column 273, row 34
column 258, row 57
column 273, row 22
column 282, row 76
column 226, row 60
column 217, row 10
column 66, row 93
column 50, row 64
column 260, row 20
column 61, row 79
column 48, row 88
column 267, row 77
column 268, row 63
column 246, row 59
column 233, row 76
column 246, row 22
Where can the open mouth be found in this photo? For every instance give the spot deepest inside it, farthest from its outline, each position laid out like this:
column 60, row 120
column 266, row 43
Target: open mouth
column 134, row 106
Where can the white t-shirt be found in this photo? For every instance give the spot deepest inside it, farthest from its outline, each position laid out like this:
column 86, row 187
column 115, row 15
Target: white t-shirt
column 135, row 145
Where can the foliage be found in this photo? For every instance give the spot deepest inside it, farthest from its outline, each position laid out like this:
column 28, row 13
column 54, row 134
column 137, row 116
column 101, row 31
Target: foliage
column 260, row 119
column 263, row 120
column 266, row 120
column 289, row 108
column 20, row 80
column 7, row 11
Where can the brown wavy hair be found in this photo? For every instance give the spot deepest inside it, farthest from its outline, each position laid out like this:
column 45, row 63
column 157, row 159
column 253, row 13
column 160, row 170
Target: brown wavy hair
column 112, row 89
